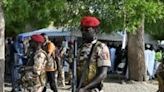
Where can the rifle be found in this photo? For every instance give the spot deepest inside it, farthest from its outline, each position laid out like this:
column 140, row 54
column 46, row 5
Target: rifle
column 85, row 67
column 74, row 78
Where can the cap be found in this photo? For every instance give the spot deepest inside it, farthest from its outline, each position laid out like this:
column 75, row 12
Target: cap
column 38, row 38
column 89, row 21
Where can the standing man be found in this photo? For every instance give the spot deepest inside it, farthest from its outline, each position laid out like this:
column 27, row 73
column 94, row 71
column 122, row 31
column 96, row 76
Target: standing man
column 50, row 48
column 34, row 78
column 112, row 50
column 93, row 58
column 13, row 63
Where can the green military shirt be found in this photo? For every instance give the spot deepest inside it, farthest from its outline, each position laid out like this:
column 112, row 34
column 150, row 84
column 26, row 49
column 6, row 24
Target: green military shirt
column 100, row 57
column 40, row 60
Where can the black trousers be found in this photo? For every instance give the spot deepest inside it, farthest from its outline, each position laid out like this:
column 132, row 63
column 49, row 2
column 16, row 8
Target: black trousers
column 52, row 81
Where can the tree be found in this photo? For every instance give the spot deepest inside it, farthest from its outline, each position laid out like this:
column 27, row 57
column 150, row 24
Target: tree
column 129, row 15
column 158, row 26
column 2, row 58
column 20, row 14
column 27, row 15
column 137, row 11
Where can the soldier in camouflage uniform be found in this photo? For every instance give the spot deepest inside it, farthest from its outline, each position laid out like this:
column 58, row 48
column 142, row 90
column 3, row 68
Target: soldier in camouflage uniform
column 69, row 56
column 160, row 76
column 51, row 66
column 99, row 61
column 34, row 78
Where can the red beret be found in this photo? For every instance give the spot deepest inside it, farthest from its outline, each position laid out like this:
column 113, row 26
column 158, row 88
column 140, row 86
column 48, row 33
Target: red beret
column 38, row 38
column 89, row 21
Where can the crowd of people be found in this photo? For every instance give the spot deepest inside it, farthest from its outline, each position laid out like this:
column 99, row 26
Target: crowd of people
column 36, row 61
column 34, row 57
column 118, row 57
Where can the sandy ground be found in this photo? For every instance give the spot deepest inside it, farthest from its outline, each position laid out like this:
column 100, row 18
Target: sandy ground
column 131, row 87
column 114, row 84
column 118, row 87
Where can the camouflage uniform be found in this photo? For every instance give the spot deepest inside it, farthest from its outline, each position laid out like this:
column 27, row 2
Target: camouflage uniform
column 68, row 59
column 100, row 57
column 34, row 79
column 160, row 76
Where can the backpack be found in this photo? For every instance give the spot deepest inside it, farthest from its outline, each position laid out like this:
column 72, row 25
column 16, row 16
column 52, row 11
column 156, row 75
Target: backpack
column 51, row 64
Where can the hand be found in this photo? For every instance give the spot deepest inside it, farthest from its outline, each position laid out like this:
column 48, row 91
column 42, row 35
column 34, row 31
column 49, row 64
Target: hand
column 21, row 69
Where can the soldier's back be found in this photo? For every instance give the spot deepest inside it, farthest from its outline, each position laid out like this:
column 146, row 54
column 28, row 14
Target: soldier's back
column 160, row 77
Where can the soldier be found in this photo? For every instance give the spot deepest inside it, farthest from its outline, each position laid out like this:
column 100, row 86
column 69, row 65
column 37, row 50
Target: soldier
column 93, row 58
column 50, row 48
column 34, row 78
column 69, row 56
column 160, row 76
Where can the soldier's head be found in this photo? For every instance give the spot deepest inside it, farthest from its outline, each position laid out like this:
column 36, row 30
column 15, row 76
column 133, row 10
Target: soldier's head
column 45, row 37
column 89, row 28
column 36, row 41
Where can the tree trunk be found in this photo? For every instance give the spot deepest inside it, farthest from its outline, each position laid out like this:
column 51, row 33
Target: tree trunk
column 2, row 51
column 136, row 49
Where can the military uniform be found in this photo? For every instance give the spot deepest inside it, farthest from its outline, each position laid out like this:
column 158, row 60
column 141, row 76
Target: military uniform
column 160, row 76
column 69, row 56
column 93, row 57
column 34, row 74
column 34, row 79
column 100, row 57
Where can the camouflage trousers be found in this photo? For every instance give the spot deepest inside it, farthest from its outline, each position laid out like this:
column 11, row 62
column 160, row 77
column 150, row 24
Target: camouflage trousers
column 61, row 77
column 33, row 83
column 161, row 83
column 33, row 89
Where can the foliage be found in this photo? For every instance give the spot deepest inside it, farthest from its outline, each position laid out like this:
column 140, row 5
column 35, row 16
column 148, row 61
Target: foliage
column 136, row 10
column 114, row 14
column 120, row 14
column 37, row 14
column 156, row 29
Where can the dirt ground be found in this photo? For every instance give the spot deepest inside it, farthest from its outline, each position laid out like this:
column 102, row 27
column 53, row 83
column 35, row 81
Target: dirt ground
column 114, row 84
column 131, row 87
column 150, row 86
